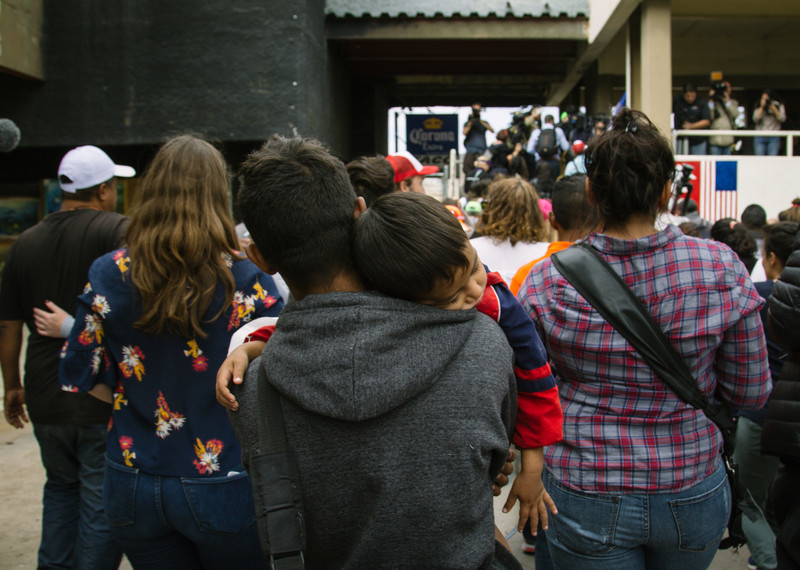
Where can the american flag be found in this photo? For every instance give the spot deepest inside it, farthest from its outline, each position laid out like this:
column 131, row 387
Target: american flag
column 716, row 188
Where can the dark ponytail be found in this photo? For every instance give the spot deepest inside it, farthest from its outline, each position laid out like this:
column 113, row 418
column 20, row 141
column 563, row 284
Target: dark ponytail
column 628, row 166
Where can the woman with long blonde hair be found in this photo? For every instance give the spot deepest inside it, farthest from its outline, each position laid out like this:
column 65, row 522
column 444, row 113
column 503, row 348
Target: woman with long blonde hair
column 512, row 229
column 152, row 327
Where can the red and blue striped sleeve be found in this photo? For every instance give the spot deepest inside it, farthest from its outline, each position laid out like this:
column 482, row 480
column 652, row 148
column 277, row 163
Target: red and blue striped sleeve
column 539, row 414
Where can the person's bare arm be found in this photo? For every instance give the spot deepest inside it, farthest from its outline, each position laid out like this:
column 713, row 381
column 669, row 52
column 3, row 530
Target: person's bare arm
column 701, row 124
column 10, row 349
column 233, row 369
column 51, row 322
column 102, row 392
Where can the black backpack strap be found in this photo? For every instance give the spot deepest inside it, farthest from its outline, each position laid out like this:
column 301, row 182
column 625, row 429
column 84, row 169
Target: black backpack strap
column 600, row 285
column 276, row 485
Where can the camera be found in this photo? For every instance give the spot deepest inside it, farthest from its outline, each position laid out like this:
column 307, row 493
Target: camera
column 767, row 103
column 720, row 88
column 681, row 188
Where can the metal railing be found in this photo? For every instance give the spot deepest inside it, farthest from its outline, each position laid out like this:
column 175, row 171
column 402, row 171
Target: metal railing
column 453, row 178
column 788, row 135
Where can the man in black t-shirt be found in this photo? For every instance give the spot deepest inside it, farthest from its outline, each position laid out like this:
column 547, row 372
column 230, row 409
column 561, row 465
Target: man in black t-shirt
column 50, row 262
column 691, row 113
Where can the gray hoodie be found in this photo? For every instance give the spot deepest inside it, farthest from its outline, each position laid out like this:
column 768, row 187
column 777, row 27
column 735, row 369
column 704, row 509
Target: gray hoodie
column 399, row 416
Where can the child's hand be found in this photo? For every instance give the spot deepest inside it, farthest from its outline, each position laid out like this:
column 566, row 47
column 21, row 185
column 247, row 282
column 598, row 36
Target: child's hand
column 534, row 501
column 233, row 369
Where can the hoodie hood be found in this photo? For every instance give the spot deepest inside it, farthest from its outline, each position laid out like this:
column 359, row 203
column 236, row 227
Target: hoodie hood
column 357, row 356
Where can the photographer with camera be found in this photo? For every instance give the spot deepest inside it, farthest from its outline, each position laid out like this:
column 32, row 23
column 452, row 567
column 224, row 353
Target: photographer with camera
column 723, row 111
column 691, row 113
column 475, row 137
column 768, row 116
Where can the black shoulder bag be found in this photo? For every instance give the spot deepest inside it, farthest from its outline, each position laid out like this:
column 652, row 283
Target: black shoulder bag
column 600, row 285
column 275, row 482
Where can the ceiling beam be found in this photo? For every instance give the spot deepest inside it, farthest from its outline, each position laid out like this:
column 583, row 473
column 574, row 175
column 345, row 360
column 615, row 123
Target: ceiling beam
column 458, row 29
column 600, row 38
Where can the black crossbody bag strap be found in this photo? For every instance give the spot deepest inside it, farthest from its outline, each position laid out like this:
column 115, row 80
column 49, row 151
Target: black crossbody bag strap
column 600, row 285
column 276, row 485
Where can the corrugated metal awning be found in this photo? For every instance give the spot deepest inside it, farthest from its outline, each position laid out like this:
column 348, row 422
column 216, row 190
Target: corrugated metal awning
column 456, row 8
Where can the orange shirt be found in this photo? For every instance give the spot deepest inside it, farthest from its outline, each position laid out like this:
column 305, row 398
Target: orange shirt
column 523, row 271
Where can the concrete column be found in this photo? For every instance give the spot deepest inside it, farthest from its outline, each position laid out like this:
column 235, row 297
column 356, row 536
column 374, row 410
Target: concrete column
column 654, row 96
column 633, row 61
column 602, row 93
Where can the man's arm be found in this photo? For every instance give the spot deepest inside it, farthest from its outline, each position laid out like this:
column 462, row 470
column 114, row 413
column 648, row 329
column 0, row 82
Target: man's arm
column 562, row 139
column 532, row 143
column 732, row 108
column 487, row 126
column 10, row 349
column 701, row 124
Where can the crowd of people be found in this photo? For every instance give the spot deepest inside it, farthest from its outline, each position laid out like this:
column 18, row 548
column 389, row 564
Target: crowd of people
column 418, row 345
column 533, row 147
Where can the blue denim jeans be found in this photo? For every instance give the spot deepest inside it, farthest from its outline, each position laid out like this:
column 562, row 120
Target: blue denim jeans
column 692, row 145
column 182, row 522
column 719, row 150
column 757, row 472
column 75, row 532
column 767, row 146
column 670, row 531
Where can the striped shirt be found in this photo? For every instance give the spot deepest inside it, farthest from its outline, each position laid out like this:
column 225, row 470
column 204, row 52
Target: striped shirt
column 624, row 429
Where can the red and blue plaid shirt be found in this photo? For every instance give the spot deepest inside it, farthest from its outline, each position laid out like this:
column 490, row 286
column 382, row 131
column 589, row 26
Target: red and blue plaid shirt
column 624, row 429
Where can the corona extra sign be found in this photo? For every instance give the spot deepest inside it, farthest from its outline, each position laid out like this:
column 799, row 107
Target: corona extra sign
column 428, row 135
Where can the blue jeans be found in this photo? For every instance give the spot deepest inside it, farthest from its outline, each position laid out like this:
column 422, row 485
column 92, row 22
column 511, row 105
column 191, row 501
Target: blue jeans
column 767, row 146
column 675, row 531
column 719, row 150
column 692, row 145
column 757, row 472
column 182, row 522
column 75, row 532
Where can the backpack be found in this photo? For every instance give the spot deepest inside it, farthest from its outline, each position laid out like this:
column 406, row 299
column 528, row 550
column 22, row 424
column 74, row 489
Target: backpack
column 547, row 145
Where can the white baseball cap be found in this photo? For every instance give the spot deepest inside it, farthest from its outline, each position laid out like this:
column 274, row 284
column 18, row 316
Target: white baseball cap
column 87, row 166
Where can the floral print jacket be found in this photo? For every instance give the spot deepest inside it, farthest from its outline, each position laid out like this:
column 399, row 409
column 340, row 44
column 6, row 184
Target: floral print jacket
column 165, row 418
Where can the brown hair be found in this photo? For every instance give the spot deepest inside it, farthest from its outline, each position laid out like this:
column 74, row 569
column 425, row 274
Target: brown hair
column 792, row 214
column 84, row 194
column 407, row 243
column 181, row 231
column 371, row 177
column 512, row 212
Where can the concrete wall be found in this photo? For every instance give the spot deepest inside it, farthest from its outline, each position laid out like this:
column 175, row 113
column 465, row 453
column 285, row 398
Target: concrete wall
column 20, row 38
column 129, row 73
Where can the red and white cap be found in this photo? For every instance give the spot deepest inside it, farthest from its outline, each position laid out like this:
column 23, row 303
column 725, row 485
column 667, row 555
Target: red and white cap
column 578, row 147
column 406, row 166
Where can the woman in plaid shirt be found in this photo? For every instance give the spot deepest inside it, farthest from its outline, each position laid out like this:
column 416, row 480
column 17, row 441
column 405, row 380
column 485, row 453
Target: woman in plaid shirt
column 638, row 477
